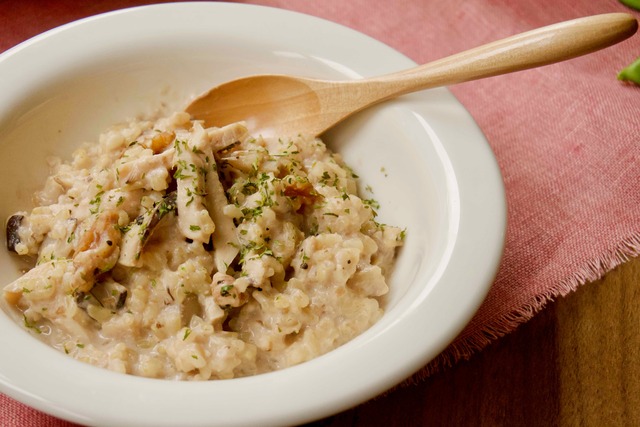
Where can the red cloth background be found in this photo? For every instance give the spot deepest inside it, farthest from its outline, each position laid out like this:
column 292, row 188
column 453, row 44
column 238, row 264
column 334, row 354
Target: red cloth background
column 566, row 137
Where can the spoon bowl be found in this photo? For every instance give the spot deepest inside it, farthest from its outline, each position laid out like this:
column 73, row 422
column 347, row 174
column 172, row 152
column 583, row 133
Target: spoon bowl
column 287, row 106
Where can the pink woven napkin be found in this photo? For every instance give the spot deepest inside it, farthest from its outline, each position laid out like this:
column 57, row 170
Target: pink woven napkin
column 566, row 137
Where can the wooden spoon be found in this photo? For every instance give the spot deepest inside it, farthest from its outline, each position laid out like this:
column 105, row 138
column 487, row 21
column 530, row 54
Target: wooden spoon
column 287, row 106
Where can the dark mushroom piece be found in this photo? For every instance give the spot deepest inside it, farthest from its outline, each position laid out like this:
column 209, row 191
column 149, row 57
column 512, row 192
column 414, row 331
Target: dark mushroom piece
column 13, row 225
column 103, row 301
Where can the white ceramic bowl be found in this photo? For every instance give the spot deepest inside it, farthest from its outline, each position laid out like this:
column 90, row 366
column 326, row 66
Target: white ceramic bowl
column 427, row 162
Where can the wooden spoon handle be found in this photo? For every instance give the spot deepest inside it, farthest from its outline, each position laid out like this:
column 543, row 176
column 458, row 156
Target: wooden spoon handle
column 531, row 49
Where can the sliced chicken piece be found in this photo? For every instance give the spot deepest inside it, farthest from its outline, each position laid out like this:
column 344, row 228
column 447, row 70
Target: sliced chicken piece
column 97, row 250
column 194, row 220
column 227, row 138
column 40, row 283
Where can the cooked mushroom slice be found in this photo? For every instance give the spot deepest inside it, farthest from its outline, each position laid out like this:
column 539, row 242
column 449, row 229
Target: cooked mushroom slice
column 225, row 237
column 229, row 148
column 110, row 294
column 104, row 300
column 161, row 141
column 300, row 192
column 140, row 230
column 13, row 226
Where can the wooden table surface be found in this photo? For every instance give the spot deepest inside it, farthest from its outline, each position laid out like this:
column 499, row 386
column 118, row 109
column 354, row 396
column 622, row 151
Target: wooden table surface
column 576, row 363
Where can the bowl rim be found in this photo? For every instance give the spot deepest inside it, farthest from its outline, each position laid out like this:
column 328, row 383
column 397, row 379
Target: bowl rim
column 482, row 220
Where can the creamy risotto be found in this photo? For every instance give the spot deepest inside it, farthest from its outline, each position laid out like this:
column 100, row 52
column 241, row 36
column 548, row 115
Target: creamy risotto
column 168, row 250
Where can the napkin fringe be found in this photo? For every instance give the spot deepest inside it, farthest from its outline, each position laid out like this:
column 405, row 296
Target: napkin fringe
column 465, row 347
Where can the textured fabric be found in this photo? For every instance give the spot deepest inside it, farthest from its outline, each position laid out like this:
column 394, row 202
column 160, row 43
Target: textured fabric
column 566, row 138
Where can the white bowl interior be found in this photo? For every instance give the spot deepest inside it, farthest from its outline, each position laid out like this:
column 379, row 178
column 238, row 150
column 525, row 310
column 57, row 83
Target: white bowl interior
column 425, row 160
